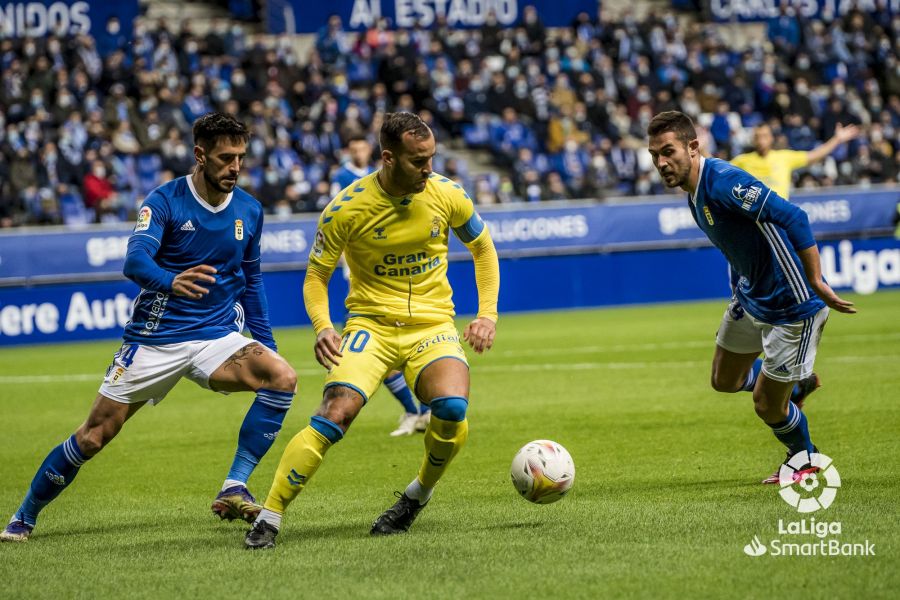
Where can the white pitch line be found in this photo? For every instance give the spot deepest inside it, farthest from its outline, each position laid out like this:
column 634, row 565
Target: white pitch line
column 710, row 343
column 524, row 368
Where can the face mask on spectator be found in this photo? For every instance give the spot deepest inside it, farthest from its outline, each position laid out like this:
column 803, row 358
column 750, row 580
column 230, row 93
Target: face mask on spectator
column 181, row 151
column 802, row 89
column 64, row 100
column 803, row 63
column 53, row 47
column 238, row 79
column 271, row 177
column 283, row 211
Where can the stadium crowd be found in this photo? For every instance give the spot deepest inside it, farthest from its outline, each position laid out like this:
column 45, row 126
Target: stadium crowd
column 90, row 125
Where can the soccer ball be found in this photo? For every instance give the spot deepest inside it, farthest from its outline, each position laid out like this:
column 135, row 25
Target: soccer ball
column 542, row 471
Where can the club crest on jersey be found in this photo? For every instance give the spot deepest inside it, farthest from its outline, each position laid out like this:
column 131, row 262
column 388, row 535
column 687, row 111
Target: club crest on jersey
column 319, row 245
column 143, row 220
column 435, row 227
column 708, row 215
column 747, row 195
column 379, row 233
column 238, row 229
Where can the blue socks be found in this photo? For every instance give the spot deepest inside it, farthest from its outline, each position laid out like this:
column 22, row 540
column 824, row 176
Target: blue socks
column 794, row 431
column 752, row 376
column 258, row 432
column 401, row 392
column 52, row 477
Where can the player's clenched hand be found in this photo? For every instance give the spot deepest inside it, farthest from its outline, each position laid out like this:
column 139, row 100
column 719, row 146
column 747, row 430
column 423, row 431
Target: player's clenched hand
column 480, row 334
column 824, row 291
column 328, row 344
column 186, row 282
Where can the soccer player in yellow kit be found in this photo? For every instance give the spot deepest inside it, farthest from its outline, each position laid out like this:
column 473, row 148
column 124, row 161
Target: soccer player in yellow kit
column 393, row 228
column 774, row 167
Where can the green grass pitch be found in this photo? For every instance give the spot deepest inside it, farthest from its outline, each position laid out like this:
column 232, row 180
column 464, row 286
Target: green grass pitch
column 665, row 498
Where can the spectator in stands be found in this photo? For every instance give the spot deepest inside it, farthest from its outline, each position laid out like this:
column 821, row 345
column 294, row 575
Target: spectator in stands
column 593, row 82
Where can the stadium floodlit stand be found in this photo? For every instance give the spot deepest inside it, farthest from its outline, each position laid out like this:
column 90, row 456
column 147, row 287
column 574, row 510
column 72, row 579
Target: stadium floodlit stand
column 90, row 125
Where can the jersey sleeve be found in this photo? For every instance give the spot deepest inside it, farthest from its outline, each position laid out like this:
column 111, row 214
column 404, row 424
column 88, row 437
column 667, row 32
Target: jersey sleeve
column 254, row 301
column 331, row 237
column 152, row 218
column 795, row 159
column 741, row 193
column 465, row 221
column 144, row 243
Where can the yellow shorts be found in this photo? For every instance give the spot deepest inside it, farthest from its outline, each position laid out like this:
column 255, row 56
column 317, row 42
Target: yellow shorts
column 372, row 349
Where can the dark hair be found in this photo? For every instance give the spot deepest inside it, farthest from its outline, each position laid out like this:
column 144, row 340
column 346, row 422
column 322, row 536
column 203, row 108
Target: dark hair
column 212, row 126
column 677, row 122
column 398, row 123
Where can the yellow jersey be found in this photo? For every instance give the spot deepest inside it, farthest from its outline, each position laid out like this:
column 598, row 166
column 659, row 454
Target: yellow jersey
column 774, row 169
column 396, row 250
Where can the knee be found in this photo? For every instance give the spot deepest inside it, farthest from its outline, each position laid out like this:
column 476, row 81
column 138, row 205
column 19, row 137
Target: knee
column 91, row 440
column 768, row 411
column 340, row 406
column 723, row 384
column 450, row 408
column 284, row 378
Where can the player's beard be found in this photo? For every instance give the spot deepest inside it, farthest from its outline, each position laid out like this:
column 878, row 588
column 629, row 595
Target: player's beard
column 216, row 185
column 678, row 177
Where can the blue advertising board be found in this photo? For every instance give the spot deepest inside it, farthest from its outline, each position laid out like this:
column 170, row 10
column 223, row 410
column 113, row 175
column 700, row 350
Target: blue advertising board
column 41, row 18
column 303, row 16
column 761, row 10
column 83, row 311
column 46, row 254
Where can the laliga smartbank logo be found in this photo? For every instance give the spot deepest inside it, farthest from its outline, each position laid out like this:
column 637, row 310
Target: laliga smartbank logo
column 815, row 475
column 809, row 483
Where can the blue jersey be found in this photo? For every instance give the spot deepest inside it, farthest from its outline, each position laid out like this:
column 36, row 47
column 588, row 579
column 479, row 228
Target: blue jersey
column 347, row 174
column 177, row 230
column 760, row 234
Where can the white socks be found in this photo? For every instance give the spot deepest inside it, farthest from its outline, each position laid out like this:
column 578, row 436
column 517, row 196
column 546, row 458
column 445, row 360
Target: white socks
column 417, row 491
column 270, row 517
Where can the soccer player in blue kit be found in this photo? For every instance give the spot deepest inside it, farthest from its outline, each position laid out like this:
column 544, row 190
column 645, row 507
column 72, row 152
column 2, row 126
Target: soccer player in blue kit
column 195, row 253
column 781, row 301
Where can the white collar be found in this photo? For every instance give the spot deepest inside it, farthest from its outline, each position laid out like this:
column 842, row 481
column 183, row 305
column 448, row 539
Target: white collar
column 204, row 203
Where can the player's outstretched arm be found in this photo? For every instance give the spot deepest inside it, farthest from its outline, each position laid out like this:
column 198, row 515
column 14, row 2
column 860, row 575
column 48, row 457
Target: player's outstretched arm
column 841, row 135
column 811, row 265
column 187, row 283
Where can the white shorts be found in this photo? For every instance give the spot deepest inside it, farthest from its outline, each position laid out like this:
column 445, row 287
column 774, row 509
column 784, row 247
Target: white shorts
column 790, row 349
column 141, row 373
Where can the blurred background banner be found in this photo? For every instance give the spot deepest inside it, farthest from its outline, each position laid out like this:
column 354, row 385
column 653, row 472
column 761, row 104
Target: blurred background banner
column 304, row 16
column 40, row 18
column 63, row 285
column 99, row 252
column 763, row 10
